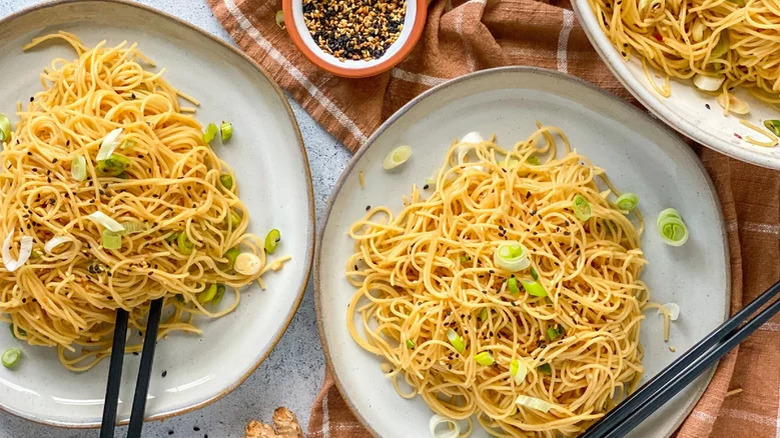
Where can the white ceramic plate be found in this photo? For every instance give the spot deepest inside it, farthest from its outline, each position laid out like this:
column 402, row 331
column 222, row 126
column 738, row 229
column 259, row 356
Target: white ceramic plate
column 267, row 155
column 639, row 155
column 685, row 109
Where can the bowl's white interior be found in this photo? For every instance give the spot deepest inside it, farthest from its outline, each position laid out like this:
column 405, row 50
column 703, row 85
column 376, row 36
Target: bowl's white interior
column 300, row 24
column 638, row 154
column 273, row 181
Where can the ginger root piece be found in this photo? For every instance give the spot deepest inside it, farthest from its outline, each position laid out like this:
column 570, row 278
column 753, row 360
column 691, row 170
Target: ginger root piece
column 285, row 426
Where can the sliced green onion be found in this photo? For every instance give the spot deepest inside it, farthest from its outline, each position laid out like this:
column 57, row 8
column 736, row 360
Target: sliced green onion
column 396, row 157
column 627, row 201
column 102, row 219
column 465, row 259
column 671, row 227
column 581, row 208
column 272, row 240
column 485, row 358
column 11, row 357
column 185, row 245
column 172, row 237
column 544, row 369
column 113, row 165
column 231, row 255
column 722, row 45
column 19, row 329
column 534, row 288
column 410, row 344
column 226, row 131
column 511, row 163
column 128, row 143
column 5, row 128
column 79, row 168
column 133, row 227
column 443, row 427
column 533, row 403
column 773, row 125
column 111, row 239
column 218, row 297
column 208, row 294
column 533, row 160
column 123, row 175
column 511, row 256
column 483, row 314
column 235, row 220
column 511, row 284
column 455, row 340
column 226, row 180
column 247, row 264
column 180, row 298
column 534, row 275
column 108, row 145
column 554, row 332
column 210, row 133
column 518, row 370
column 280, row 19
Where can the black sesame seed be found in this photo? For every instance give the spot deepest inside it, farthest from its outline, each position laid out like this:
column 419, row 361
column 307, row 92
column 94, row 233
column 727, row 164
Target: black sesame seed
column 196, row 429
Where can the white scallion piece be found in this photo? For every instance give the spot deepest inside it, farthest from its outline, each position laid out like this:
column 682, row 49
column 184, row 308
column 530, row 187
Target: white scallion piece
column 247, row 264
column 101, row 219
column 443, row 427
column 533, row 403
column 708, row 83
column 518, row 370
column 12, row 264
column 109, row 144
column 55, row 242
column 511, row 256
column 673, row 309
column 397, row 157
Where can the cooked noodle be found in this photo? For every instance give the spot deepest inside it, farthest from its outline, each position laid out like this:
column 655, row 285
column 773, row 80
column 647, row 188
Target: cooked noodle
column 679, row 37
column 431, row 268
column 69, row 298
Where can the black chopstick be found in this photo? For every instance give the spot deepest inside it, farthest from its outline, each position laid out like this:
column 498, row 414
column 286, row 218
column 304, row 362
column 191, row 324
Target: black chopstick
column 685, row 369
column 145, row 370
column 114, row 375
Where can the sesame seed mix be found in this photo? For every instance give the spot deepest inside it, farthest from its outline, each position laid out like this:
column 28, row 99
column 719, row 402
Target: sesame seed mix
column 354, row 29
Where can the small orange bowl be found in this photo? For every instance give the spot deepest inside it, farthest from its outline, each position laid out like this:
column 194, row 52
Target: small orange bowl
column 414, row 21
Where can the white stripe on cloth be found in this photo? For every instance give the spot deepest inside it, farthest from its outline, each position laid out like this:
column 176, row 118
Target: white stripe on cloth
column 325, row 417
column 770, row 327
column 563, row 40
column 277, row 56
column 428, row 81
column 471, row 64
column 754, row 227
column 750, row 416
column 703, row 416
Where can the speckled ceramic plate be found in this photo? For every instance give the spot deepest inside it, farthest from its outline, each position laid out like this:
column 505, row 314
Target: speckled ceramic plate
column 639, row 154
column 685, row 110
column 267, row 155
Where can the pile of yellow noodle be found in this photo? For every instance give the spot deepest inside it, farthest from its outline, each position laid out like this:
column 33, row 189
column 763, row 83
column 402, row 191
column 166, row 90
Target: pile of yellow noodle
column 430, row 269
column 69, row 298
column 678, row 36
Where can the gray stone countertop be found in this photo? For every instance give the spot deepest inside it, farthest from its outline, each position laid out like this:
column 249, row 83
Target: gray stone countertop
column 292, row 375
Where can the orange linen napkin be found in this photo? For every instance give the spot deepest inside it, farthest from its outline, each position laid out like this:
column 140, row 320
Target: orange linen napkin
column 461, row 37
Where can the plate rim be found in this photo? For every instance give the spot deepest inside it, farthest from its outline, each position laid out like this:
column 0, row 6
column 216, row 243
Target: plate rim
column 348, row 170
column 609, row 55
column 311, row 232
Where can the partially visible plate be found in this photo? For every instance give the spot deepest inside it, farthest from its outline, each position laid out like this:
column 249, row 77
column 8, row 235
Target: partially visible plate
column 267, row 154
column 685, row 110
column 639, row 155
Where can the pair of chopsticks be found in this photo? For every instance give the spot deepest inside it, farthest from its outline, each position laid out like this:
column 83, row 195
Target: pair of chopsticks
column 680, row 373
column 144, row 373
